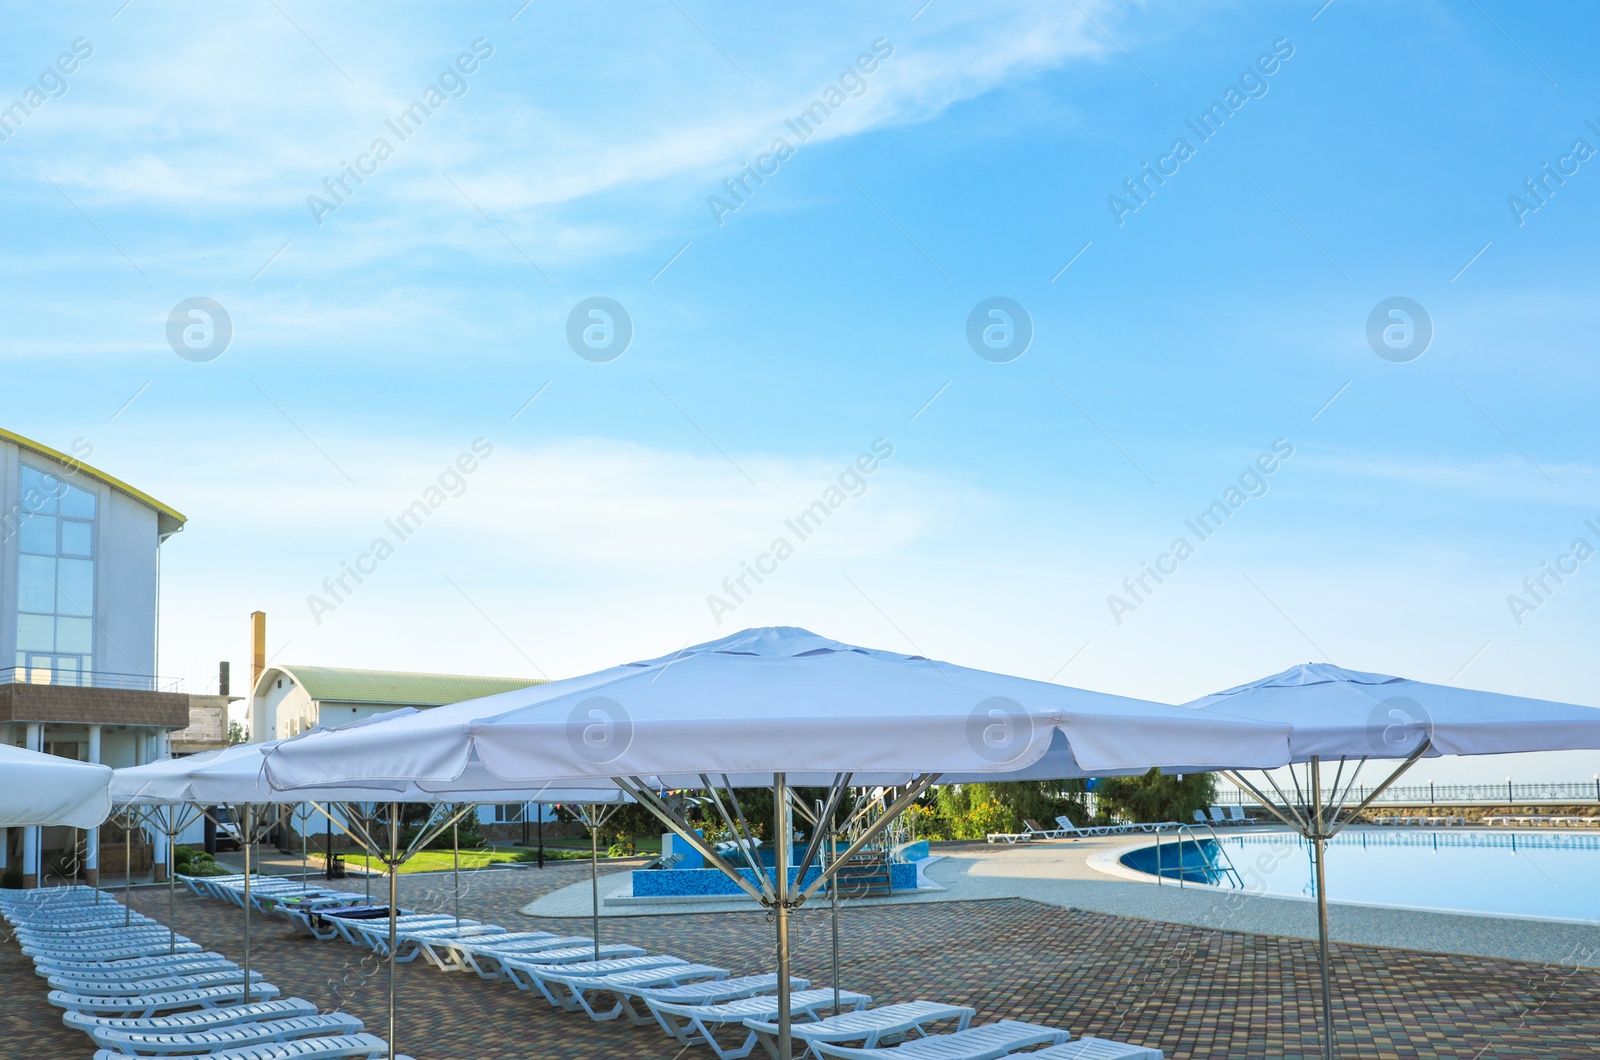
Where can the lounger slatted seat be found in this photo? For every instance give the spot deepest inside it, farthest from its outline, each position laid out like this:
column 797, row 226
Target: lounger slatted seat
column 988, row 1042
column 198, row 1020
column 336, row 1047
column 186, row 964
column 217, row 1039
column 567, row 955
column 147, row 948
column 579, row 992
column 427, row 943
column 698, row 1024
column 135, row 987
column 1096, row 1049
column 131, row 965
column 708, row 992
column 485, row 957
column 531, row 975
column 868, row 1026
column 155, row 1004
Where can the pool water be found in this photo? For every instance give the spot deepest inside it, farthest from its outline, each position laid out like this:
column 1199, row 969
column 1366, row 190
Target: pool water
column 1533, row 874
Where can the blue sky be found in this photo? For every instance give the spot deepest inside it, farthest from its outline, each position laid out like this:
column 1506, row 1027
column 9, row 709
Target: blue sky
column 578, row 159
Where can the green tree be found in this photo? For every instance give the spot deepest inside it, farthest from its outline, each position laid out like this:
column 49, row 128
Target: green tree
column 238, row 733
column 1157, row 797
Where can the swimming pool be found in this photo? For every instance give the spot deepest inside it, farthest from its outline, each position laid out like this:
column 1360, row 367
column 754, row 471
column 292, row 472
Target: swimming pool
column 1535, row 874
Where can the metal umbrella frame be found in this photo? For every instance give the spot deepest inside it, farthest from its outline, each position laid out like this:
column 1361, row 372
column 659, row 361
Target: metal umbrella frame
column 783, row 892
column 1318, row 820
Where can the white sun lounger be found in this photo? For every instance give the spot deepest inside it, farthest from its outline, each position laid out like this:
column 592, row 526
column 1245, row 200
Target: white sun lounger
column 514, row 962
column 138, row 948
column 528, row 973
column 335, row 1047
column 152, row 966
column 1095, row 1049
column 137, row 987
column 461, row 954
column 183, row 964
column 698, row 1024
column 218, row 1039
column 155, row 1004
column 198, row 1020
column 575, row 992
column 1236, row 815
column 868, row 1026
column 373, row 932
column 427, row 943
column 707, row 992
column 987, row 1042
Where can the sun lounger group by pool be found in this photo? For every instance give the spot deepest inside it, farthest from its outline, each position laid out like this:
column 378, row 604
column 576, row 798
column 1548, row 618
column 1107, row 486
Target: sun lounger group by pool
column 137, row 990
column 147, row 1001
column 1065, row 829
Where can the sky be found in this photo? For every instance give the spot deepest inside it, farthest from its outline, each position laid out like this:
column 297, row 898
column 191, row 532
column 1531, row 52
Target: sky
column 1064, row 276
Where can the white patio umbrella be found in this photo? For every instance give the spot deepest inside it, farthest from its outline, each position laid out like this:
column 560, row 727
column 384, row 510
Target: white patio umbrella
column 1349, row 718
column 169, row 789
column 40, row 790
column 777, row 706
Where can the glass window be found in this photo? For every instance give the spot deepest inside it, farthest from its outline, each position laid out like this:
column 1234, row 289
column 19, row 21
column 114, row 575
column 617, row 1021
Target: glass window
column 39, row 491
column 36, row 584
column 38, row 535
column 55, row 579
column 36, row 633
column 75, row 587
column 77, row 537
column 75, row 502
column 73, row 635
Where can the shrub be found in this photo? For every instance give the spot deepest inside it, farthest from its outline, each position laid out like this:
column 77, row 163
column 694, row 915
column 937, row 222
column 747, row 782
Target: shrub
column 201, row 868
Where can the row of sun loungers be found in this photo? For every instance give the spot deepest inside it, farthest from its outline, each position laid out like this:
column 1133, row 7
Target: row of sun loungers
column 137, row 990
column 1065, row 829
column 695, row 1004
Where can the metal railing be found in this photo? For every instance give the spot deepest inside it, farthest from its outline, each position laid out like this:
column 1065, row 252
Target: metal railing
column 1210, row 854
column 1448, row 794
column 43, row 675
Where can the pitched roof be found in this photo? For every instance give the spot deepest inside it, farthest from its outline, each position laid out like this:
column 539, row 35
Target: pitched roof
column 335, row 684
column 169, row 519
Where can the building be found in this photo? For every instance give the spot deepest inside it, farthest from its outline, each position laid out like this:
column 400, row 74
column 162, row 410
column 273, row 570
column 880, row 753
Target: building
column 288, row 699
column 80, row 582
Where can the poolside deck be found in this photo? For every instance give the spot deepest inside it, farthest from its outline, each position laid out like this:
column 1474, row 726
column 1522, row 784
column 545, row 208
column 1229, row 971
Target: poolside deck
column 1192, row 991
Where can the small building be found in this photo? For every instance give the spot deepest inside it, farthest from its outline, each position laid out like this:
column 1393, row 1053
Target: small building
column 289, row 699
column 79, row 598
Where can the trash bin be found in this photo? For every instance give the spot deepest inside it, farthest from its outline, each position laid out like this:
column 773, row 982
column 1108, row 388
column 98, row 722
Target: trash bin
column 335, row 867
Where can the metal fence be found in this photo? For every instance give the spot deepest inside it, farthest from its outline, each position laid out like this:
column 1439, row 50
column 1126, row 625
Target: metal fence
column 1452, row 794
column 41, row 675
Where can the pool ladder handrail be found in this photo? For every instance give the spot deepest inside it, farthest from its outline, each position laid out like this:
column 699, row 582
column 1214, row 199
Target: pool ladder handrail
column 1226, row 870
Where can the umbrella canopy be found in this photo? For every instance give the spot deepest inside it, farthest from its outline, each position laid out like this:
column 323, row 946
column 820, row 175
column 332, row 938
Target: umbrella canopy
column 232, row 776
column 1336, row 713
column 776, row 700
column 41, row 789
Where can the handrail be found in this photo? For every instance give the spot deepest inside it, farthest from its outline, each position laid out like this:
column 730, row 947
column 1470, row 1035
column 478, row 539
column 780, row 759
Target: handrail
column 1227, row 870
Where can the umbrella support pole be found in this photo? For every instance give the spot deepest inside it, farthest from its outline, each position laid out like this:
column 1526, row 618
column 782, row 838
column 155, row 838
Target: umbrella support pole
column 246, row 833
column 455, row 868
column 394, row 913
column 1319, row 840
column 127, row 869
column 780, row 850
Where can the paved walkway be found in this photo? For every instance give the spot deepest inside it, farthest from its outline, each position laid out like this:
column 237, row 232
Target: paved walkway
column 1059, row 873
column 1193, row 990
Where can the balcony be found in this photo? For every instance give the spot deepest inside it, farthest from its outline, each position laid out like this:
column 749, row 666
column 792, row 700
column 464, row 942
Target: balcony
column 81, row 697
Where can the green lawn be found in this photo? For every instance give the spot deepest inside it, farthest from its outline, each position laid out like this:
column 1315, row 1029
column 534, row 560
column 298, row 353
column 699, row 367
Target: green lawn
column 442, row 860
